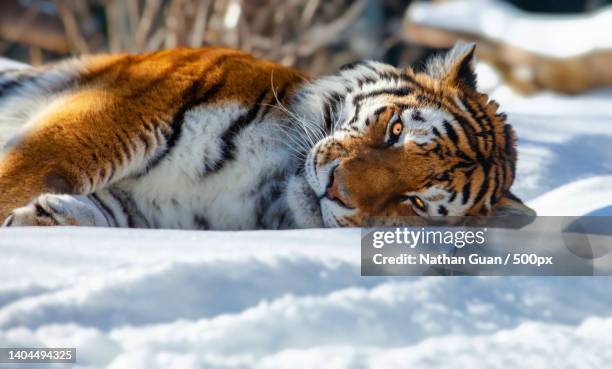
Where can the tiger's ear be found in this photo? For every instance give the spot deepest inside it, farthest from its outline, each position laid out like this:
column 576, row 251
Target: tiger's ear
column 456, row 68
column 510, row 211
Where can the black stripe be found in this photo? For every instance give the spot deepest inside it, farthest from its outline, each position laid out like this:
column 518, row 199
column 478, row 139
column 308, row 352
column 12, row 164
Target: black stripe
column 502, row 116
column 485, row 162
column 466, row 192
column 179, row 119
column 477, row 115
column 470, row 135
column 20, row 77
column 366, row 63
column 504, row 175
column 269, row 191
column 508, row 144
column 228, row 146
column 442, row 210
column 406, row 78
column 145, row 141
column 379, row 111
column 119, row 198
column 355, row 65
column 365, row 80
column 390, row 76
column 9, row 221
column 124, row 146
column 496, row 183
column 331, row 103
column 484, row 187
column 460, row 154
column 421, row 98
column 417, row 116
column 106, row 211
column 512, row 173
column 113, row 168
column 350, row 66
column 13, row 79
column 462, row 165
column 511, row 153
column 132, row 147
column 468, row 173
column 437, row 150
column 355, row 116
column 397, row 91
column 192, row 99
column 5, row 88
column 511, row 196
column 444, row 177
column 451, row 133
column 42, row 212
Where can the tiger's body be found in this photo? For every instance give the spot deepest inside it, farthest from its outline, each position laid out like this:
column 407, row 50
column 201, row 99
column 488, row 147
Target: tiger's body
column 216, row 139
column 157, row 140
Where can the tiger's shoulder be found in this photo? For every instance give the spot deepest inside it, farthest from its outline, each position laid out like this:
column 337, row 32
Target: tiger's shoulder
column 236, row 73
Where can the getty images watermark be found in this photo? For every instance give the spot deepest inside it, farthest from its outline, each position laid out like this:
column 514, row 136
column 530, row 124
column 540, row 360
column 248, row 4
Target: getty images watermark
column 542, row 246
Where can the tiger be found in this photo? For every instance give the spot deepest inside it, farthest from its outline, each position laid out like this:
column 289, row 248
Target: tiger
column 216, row 139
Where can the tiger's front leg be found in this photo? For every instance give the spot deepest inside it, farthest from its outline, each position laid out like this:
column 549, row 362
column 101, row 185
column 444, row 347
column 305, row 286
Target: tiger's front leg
column 59, row 210
column 111, row 207
column 78, row 147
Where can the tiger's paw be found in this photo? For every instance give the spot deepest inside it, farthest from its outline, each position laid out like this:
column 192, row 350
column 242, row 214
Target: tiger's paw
column 57, row 210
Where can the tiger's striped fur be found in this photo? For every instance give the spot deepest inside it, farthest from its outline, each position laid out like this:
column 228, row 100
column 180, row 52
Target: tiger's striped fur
column 215, row 139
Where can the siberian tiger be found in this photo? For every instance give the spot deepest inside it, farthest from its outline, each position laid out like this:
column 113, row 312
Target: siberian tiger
column 215, row 139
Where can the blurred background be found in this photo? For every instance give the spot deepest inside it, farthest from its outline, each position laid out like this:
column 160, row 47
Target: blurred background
column 317, row 36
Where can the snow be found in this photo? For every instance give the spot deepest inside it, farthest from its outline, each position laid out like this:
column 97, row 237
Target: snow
column 557, row 35
column 565, row 149
column 161, row 299
column 7, row 63
column 295, row 299
column 585, row 196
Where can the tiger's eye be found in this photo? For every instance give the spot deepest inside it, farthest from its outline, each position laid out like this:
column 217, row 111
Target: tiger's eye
column 418, row 202
column 396, row 129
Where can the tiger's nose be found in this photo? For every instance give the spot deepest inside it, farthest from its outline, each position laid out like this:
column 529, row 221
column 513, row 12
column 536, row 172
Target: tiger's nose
column 335, row 192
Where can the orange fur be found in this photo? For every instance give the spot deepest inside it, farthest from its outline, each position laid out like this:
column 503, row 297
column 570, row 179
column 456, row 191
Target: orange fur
column 90, row 135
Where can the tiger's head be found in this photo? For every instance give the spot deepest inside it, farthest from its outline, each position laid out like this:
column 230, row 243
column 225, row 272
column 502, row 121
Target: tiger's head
column 401, row 143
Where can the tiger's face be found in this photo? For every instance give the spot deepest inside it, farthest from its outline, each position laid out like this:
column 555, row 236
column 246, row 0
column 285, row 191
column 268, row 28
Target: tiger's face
column 406, row 144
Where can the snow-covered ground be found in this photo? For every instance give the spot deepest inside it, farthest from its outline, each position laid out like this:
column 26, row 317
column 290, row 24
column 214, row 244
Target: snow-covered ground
column 294, row 299
column 287, row 299
column 565, row 150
